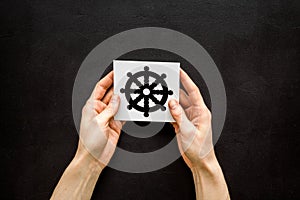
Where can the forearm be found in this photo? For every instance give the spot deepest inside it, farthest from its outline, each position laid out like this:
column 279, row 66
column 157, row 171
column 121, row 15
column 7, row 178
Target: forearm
column 209, row 181
column 79, row 179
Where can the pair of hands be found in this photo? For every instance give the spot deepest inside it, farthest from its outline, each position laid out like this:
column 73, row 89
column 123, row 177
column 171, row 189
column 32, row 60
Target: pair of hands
column 99, row 132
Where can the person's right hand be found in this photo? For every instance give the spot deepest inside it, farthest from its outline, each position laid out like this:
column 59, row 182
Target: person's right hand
column 99, row 132
column 193, row 123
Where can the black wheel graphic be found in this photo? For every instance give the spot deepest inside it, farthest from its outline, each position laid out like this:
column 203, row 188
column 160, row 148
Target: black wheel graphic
column 146, row 91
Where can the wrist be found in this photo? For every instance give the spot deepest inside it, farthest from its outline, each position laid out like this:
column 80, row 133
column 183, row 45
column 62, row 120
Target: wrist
column 207, row 166
column 84, row 161
column 209, row 179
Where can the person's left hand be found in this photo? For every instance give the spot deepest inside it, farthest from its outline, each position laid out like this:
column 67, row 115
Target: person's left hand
column 99, row 132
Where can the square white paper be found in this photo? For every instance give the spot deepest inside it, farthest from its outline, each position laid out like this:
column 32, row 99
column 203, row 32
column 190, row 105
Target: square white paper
column 135, row 89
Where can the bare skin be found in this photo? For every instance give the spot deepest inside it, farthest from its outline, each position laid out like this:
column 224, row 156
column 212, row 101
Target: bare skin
column 194, row 136
column 99, row 134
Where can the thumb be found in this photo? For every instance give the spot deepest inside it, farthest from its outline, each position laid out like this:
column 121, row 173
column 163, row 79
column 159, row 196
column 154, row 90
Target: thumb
column 177, row 112
column 110, row 110
column 185, row 126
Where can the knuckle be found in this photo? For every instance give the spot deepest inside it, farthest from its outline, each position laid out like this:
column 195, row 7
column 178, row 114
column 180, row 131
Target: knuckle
column 119, row 124
column 178, row 112
column 114, row 125
column 89, row 103
column 84, row 109
column 99, row 86
column 109, row 110
column 207, row 114
column 195, row 90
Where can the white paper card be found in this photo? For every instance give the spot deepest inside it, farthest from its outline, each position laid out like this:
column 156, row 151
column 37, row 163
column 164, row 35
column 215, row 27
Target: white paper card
column 145, row 88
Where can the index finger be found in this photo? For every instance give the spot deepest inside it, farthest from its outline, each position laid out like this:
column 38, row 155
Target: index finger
column 101, row 87
column 191, row 89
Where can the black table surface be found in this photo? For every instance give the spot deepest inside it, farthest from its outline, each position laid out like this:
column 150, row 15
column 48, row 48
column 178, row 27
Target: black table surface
column 255, row 45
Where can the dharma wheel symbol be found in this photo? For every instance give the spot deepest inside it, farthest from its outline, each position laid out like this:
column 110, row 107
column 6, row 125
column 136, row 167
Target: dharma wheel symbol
column 157, row 91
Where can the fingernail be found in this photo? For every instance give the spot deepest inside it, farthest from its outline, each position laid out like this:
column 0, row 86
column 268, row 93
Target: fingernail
column 173, row 104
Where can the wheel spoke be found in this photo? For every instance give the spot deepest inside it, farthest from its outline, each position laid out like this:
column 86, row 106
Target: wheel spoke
column 146, row 104
column 157, row 92
column 146, row 79
column 153, row 85
column 137, row 82
column 136, row 100
column 135, row 91
column 154, row 99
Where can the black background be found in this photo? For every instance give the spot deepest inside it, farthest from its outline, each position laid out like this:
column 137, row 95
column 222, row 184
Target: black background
column 255, row 45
